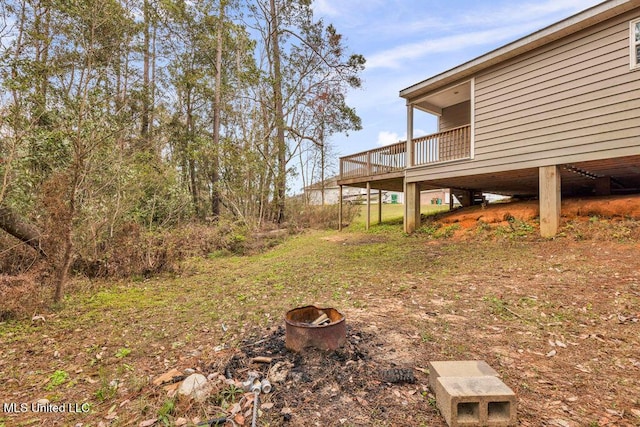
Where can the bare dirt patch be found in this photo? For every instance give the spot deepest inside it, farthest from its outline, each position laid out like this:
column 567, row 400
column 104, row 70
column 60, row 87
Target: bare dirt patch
column 606, row 207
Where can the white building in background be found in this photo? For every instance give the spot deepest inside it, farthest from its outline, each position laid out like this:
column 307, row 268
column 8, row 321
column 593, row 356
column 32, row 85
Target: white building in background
column 357, row 195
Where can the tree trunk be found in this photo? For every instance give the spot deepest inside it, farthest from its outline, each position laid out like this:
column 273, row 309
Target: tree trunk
column 13, row 224
column 217, row 108
column 146, row 70
column 193, row 180
column 281, row 146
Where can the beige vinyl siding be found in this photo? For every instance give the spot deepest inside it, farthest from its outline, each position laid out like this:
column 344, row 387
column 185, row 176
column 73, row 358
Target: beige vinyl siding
column 455, row 116
column 572, row 100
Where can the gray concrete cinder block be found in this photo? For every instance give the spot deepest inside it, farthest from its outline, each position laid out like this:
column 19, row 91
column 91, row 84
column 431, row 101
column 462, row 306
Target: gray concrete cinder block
column 458, row 368
column 475, row 401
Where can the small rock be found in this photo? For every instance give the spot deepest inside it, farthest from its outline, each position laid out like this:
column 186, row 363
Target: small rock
column 279, row 371
column 43, row 402
column 196, row 387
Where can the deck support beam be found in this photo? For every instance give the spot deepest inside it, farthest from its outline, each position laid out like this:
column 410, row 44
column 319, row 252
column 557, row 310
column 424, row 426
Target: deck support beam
column 340, row 208
column 411, row 206
column 549, row 200
column 368, row 223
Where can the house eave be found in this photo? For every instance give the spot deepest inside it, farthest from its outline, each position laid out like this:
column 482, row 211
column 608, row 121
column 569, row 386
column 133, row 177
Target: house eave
column 573, row 24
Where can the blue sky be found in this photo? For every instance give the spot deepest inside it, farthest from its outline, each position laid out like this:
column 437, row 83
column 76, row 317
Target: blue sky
column 407, row 41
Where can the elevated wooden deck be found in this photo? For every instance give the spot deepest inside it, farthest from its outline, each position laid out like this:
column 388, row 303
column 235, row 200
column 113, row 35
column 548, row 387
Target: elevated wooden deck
column 385, row 166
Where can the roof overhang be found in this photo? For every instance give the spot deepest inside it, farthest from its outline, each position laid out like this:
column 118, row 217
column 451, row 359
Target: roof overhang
column 564, row 28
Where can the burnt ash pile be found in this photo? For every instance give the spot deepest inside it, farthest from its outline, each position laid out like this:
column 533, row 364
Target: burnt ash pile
column 319, row 384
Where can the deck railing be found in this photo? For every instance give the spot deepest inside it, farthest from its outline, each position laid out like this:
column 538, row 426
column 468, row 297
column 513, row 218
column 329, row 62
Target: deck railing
column 439, row 147
column 378, row 161
column 444, row 146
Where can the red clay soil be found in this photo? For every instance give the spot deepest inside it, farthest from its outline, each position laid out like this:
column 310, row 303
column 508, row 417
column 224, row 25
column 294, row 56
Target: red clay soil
column 604, row 207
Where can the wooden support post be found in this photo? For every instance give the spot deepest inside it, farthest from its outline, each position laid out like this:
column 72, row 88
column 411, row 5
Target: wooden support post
column 411, row 207
column 467, row 198
column 549, row 200
column 450, row 199
column 603, row 186
column 368, row 223
column 340, row 209
column 379, row 206
column 409, row 149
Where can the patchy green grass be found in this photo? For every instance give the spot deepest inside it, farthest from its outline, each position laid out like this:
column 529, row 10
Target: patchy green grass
column 504, row 301
column 392, row 215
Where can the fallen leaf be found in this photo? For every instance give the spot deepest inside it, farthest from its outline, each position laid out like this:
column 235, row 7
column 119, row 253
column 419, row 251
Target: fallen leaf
column 167, row 376
column 616, row 413
column 172, row 387
column 362, row 401
column 552, row 353
column 181, row 422
column 147, row 423
column 239, row 419
column 584, row 369
column 635, row 412
column 560, row 423
column 266, row 406
column 236, row 408
column 561, row 344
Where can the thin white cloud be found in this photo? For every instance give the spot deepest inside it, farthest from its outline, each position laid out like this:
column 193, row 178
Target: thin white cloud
column 388, row 138
column 399, row 55
column 471, row 30
column 325, row 8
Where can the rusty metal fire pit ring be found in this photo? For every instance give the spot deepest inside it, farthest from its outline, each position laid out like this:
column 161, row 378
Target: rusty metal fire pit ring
column 301, row 333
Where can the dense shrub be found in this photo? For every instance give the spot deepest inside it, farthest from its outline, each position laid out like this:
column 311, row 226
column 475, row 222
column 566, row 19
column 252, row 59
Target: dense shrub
column 134, row 251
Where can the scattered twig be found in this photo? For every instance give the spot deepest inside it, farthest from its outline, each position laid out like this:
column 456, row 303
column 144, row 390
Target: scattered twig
column 512, row 312
column 262, row 359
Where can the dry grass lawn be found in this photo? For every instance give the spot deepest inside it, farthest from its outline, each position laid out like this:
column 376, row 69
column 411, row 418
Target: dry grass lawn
column 558, row 319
